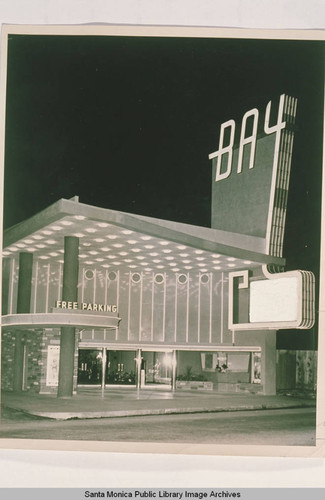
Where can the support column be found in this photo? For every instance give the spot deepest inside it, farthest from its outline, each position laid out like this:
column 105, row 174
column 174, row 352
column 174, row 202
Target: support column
column 174, row 365
column 139, row 361
column 104, row 357
column 5, row 286
column 268, row 363
column 69, row 294
column 23, row 306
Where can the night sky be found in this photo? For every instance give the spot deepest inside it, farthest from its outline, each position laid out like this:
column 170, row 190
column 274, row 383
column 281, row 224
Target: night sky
column 128, row 123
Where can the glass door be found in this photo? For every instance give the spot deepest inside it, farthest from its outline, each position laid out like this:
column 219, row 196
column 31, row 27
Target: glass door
column 120, row 368
column 156, row 368
column 90, row 366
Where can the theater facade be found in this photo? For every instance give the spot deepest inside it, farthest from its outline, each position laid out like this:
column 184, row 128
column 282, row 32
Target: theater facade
column 101, row 298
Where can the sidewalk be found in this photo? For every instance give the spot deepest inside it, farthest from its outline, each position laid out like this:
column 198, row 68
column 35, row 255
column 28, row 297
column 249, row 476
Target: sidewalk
column 126, row 401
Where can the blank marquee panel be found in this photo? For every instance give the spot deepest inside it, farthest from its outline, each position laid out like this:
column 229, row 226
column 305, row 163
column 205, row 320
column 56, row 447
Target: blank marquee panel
column 274, row 300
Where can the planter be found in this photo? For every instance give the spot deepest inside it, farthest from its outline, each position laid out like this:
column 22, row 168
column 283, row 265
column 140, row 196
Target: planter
column 196, row 385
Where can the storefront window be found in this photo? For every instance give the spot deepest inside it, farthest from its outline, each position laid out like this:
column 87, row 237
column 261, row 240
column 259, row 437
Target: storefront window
column 238, row 361
column 231, row 362
column 256, row 367
column 216, row 361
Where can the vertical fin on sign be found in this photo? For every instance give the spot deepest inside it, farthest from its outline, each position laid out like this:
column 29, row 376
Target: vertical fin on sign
column 282, row 178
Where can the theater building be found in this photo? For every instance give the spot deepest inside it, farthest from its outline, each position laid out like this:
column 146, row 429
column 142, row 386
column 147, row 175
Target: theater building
column 97, row 297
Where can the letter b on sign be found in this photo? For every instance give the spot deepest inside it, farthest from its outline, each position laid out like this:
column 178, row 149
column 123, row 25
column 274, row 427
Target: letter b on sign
column 224, row 150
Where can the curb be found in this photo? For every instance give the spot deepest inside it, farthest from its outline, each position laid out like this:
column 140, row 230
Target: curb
column 162, row 411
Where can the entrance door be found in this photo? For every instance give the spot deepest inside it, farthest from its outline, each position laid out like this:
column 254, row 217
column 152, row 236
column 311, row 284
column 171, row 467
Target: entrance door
column 90, row 366
column 156, row 368
column 120, row 368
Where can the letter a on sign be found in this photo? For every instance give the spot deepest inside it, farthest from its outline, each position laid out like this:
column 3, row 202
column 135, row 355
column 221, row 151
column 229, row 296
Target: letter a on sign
column 247, row 140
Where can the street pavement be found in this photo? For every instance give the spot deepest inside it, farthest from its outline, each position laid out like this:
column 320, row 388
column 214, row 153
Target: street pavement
column 124, row 402
column 281, row 427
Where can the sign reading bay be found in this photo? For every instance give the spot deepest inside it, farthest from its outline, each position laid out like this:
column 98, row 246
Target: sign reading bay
column 251, row 173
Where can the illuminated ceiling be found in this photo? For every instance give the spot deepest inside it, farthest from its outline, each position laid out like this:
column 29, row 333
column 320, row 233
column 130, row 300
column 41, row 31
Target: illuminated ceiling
column 108, row 246
column 111, row 240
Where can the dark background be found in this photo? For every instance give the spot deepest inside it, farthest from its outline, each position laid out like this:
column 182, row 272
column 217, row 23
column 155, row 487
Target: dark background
column 128, row 123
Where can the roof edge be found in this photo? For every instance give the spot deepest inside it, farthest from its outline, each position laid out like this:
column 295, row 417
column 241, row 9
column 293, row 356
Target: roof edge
column 208, row 239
